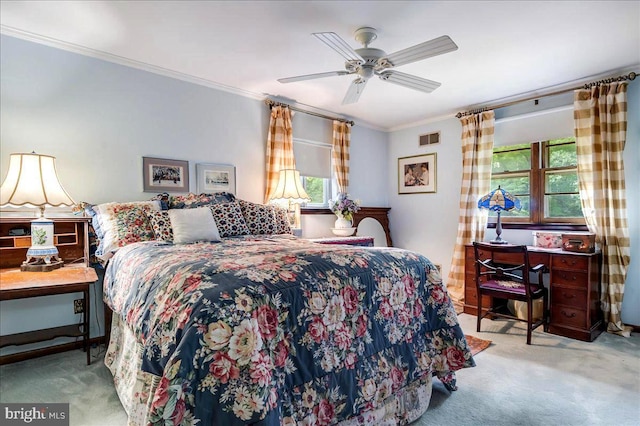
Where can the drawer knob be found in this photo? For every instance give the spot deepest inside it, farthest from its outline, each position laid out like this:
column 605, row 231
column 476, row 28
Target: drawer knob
column 573, row 314
column 565, row 276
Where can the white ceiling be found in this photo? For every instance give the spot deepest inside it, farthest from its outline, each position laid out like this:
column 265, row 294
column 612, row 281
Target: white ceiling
column 506, row 48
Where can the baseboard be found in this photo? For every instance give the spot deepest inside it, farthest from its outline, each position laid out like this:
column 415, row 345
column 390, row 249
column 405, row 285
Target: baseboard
column 22, row 356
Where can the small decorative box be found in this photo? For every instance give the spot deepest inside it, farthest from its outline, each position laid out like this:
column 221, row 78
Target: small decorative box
column 547, row 239
column 579, row 242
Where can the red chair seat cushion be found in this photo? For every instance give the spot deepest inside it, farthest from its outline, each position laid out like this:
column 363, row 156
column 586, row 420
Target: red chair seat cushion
column 513, row 287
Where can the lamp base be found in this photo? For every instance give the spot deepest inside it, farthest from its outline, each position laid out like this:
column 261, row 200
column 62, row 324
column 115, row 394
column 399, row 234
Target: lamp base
column 498, row 242
column 39, row 265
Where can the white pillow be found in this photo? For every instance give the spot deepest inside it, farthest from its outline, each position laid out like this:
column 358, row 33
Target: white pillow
column 191, row 225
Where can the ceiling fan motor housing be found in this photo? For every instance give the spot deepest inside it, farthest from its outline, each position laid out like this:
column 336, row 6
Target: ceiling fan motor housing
column 371, row 58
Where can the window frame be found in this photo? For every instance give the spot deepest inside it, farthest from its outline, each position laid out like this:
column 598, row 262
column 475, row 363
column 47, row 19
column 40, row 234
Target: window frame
column 540, row 156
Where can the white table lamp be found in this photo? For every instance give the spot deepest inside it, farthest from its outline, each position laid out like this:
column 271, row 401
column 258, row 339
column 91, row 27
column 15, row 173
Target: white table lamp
column 32, row 181
column 290, row 190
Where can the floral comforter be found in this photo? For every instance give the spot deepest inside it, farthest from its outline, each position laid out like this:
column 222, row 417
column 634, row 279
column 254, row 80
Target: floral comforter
column 278, row 330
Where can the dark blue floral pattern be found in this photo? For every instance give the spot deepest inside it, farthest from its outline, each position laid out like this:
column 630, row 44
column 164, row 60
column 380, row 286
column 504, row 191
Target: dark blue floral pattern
column 276, row 330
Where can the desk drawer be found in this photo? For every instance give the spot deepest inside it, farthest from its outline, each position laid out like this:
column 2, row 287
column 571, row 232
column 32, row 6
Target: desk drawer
column 538, row 258
column 570, row 278
column 568, row 296
column 572, row 262
column 564, row 315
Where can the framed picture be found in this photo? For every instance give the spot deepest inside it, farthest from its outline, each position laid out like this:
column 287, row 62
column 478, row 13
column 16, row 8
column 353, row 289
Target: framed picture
column 417, row 174
column 160, row 174
column 215, row 178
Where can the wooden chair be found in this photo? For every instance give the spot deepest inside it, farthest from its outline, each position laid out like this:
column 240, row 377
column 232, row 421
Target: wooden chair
column 502, row 272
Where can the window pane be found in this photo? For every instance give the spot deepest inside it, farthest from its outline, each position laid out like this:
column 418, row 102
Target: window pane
column 562, row 206
column 561, row 182
column 517, row 185
column 315, row 189
column 507, row 159
column 562, row 154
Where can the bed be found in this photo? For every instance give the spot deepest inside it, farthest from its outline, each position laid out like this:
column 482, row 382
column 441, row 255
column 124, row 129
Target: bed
column 274, row 329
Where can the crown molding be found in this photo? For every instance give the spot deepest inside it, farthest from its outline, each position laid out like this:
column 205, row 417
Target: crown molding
column 98, row 54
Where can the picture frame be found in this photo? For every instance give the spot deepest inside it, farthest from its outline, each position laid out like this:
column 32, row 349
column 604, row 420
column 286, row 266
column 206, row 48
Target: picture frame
column 161, row 174
column 215, row 178
column 417, row 174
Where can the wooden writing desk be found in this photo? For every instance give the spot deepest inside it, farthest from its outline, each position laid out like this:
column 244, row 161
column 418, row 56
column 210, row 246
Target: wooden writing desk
column 574, row 290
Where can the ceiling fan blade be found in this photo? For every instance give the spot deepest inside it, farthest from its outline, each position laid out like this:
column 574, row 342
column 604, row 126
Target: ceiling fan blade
column 410, row 81
column 430, row 48
column 312, row 76
column 335, row 42
column 355, row 90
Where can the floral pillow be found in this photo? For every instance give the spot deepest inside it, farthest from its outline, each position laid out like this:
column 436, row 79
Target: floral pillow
column 282, row 225
column 161, row 224
column 229, row 219
column 124, row 223
column 260, row 218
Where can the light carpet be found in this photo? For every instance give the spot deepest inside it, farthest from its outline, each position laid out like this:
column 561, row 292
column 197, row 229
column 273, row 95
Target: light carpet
column 554, row 381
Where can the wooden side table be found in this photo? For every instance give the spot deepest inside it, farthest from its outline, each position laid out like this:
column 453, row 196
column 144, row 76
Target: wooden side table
column 15, row 284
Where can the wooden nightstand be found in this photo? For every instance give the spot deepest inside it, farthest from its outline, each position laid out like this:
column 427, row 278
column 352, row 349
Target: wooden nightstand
column 72, row 240
column 15, row 284
column 351, row 241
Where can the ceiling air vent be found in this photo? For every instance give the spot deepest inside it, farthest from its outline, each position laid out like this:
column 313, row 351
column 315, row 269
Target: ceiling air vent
column 429, row 138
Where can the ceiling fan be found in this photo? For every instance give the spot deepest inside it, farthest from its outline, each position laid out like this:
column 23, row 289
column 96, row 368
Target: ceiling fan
column 368, row 61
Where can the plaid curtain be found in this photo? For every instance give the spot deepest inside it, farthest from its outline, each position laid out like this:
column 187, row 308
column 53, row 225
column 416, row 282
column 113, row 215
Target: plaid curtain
column 340, row 153
column 477, row 152
column 600, row 120
column 279, row 147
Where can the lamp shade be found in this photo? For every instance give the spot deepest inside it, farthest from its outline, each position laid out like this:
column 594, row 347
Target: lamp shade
column 498, row 200
column 32, row 181
column 290, row 188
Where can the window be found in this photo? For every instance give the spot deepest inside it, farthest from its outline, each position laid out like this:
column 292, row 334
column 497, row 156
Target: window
column 319, row 189
column 313, row 160
column 544, row 176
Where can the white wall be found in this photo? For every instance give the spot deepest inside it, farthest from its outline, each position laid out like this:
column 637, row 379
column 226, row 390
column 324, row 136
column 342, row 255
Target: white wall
column 99, row 119
column 427, row 222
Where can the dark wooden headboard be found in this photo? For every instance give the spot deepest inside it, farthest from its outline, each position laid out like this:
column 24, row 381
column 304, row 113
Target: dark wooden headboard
column 381, row 214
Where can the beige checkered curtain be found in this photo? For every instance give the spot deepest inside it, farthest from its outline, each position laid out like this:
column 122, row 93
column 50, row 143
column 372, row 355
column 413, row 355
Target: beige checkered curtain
column 477, row 152
column 600, row 120
column 340, row 153
column 279, row 147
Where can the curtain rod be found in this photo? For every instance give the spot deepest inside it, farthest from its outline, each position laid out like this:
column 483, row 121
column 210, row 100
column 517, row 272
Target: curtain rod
column 271, row 104
column 631, row 76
